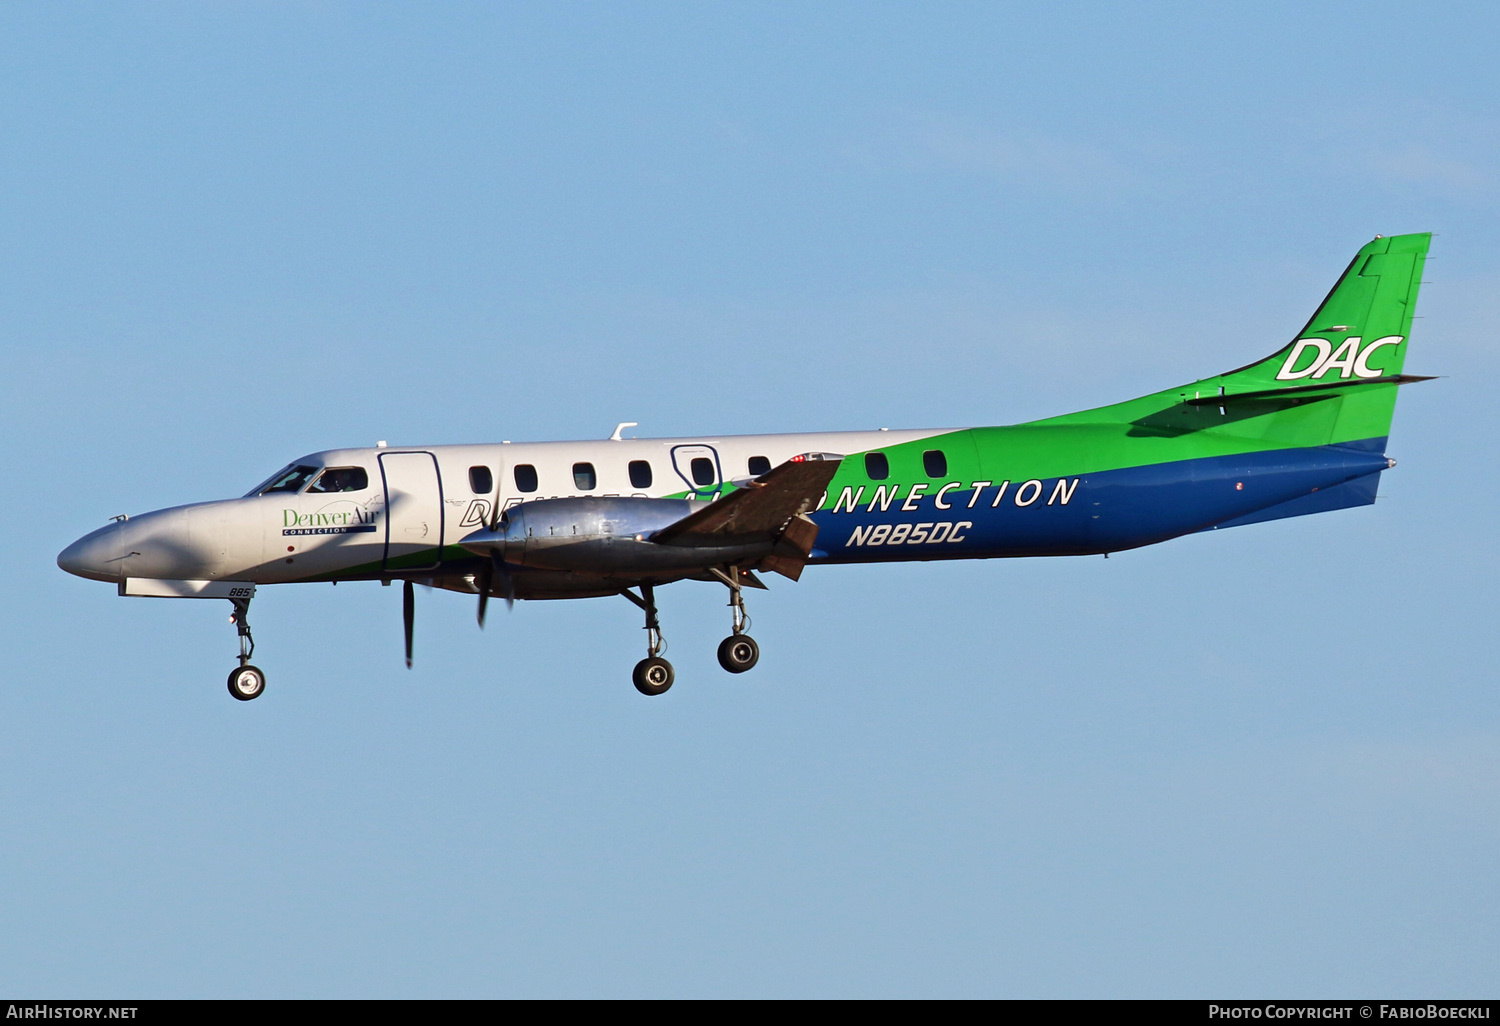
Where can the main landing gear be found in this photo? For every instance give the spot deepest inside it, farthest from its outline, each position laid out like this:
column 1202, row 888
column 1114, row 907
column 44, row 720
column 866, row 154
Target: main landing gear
column 245, row 681
column 653, row 674
column 737, row 653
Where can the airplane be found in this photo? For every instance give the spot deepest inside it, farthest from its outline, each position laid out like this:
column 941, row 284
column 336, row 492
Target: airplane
column 1302, row 431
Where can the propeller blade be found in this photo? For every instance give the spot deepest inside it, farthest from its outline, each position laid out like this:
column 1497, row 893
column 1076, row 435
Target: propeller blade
column 408, row 614
column 497, row 563
column 484, row 579
column 507, row 586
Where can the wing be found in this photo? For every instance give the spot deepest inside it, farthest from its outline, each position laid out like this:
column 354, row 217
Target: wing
column 770, row 508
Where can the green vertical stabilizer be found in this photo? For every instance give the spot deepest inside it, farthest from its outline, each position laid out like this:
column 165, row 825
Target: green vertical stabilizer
column 1335, row 382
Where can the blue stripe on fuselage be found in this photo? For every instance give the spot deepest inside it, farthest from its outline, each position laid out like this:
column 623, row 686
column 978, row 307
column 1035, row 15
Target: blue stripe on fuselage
column 1107, row 511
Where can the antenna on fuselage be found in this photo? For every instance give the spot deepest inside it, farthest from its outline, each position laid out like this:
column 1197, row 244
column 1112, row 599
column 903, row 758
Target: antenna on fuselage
column 621, row 427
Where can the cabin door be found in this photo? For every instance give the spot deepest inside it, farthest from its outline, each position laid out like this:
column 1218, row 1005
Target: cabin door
column 413, row 511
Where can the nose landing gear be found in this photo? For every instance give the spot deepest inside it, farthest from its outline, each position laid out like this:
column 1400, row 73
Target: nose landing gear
column 245, row 681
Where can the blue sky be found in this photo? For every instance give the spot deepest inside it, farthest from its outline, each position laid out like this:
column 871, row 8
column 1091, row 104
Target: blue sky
column 1263, row 762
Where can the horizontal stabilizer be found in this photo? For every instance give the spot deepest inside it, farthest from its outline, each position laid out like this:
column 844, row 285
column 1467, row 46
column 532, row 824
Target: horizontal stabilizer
column 1299, row 392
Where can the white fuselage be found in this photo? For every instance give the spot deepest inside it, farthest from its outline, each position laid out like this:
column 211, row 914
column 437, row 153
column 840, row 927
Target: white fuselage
column 418, row 502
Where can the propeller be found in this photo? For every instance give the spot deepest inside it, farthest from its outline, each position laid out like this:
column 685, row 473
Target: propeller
column 483, row 578
column 488, row 574
column 507, row 586
column 408, row 614
column 492, row 569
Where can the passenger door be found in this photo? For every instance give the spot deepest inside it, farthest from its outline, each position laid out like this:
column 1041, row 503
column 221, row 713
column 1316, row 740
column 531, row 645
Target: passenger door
column 413, row 511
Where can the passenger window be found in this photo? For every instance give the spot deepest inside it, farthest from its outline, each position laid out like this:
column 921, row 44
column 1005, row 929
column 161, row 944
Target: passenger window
column 703, row 471
column 759, row 465
column 877, row 466
column 525, row 475
column 341, row 479
column 935, row 463
column 640, row 474
column 481, row 481
column 583, row 477
column 290, row 480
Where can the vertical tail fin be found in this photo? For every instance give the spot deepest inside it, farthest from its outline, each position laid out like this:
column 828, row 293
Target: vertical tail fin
column 1360, row 330
column 1335, row 383
column 1356, row 340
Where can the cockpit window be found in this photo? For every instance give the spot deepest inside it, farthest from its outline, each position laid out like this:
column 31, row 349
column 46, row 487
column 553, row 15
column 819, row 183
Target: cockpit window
column 341, row 479
column 289, row 480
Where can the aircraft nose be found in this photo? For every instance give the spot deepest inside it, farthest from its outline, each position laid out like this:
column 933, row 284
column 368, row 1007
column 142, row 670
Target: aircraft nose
column 94, row 556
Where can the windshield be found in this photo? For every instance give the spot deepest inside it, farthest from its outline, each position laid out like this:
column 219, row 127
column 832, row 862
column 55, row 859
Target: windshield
column 342, row 479
column 289, row 479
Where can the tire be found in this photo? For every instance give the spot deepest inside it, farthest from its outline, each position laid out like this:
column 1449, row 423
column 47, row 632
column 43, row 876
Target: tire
column 247, row 683
column 738, row 652
column 653, row 676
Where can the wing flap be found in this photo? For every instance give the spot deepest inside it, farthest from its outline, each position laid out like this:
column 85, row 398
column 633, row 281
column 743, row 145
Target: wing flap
column 789, row 554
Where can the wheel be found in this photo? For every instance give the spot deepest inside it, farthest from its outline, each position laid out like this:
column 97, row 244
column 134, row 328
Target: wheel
column 738, row 652
column 246, row 682
column 653, row 676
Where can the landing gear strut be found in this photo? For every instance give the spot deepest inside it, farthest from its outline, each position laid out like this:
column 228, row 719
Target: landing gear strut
column 245, row 681
column 738, row 652
column 653, row 675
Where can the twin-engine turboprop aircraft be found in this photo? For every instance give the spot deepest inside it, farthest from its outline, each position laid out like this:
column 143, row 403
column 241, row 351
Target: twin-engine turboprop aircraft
column 1302, row 431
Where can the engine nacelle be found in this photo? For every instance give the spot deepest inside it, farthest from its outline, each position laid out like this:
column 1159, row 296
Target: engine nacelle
column 607, row 536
